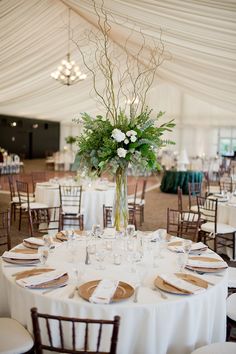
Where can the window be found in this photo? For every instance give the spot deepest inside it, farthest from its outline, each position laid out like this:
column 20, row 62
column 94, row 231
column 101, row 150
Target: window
column 227, row 141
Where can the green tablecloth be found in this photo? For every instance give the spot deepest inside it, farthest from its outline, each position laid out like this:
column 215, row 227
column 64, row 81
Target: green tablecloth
column 172, row 179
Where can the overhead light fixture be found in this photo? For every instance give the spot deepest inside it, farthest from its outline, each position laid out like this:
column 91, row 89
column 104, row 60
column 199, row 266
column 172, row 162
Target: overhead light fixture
column 68, row 73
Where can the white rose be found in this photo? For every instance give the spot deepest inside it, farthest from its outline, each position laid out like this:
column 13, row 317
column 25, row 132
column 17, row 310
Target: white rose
column 133, row 138
column 126, row 141
column 131, row 132
column 118, row 135
column 121, row 152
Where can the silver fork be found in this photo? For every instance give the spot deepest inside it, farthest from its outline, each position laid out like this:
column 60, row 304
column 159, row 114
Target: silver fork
column 72, row 294
column 163, row 296
column 136, row 294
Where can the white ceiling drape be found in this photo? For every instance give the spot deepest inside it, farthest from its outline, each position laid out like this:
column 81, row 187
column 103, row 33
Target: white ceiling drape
column 200, row 35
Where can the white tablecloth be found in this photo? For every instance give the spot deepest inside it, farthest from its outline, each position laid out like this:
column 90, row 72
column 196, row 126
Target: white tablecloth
column 92, row 200
column 153, row 325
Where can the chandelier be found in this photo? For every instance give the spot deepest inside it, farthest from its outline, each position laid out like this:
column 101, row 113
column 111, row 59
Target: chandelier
column 68, row 73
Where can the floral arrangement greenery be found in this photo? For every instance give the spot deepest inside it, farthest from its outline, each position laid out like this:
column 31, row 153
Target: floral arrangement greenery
column 70, row 139
column 105, row 146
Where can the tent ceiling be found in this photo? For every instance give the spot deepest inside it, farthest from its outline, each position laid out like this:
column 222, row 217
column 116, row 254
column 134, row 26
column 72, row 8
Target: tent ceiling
column 200, row 35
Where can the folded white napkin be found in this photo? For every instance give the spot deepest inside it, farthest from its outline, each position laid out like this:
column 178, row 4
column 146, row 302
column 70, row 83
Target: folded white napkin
column 40, row 278
column 195, row 247
column 181, row 284
column 202, row 264
column 14, row 255
column 35, row 241
column 104, row 291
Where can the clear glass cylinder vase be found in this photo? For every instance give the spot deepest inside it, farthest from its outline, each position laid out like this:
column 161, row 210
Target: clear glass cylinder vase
column 121, row 200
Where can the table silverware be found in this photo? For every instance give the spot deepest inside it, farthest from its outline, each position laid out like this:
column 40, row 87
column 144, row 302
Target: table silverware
column 162, row 294
column 72, row 294
column 136, row 294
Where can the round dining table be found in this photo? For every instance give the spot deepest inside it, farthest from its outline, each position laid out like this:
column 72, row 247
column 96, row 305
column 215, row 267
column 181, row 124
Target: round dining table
column 169, row 324
column 94, row 196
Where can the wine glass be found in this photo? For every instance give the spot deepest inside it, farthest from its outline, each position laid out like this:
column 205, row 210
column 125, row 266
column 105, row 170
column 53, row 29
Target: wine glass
column 181, row 261
column 96, row 230
column 187, row 244
column 48, row 241
column 43, row 252
column 100, row 257
column 130, row 230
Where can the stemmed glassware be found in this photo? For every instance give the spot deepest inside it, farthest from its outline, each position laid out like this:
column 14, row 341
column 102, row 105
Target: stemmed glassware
column 130, row 230
column 96, row 230
column 43, row 252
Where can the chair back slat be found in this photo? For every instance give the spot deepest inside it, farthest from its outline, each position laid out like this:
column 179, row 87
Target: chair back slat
column 71, row 348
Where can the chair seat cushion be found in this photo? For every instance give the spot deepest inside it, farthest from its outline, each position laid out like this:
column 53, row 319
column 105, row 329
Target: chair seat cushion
column 190, row 217
column 15, row 200
column 138, row 201
column 34, row 205
column 231, row 307
column 221, row 228
column 14, row 338
column 232, row 277
column 71, row 210
column 217, row 348
column 194, row 208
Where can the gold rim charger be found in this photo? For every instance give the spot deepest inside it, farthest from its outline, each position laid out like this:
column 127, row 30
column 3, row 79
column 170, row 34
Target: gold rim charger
column 55, row 283
column 205, row 269
column 60, row 235
column 24, row 251
column 31, row 244
column 21, row 261
column 31, row 272
column 165, row 286
column 123, row 291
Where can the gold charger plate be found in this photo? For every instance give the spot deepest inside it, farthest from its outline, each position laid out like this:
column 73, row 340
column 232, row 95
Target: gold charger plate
column 31, row 272
column 60, row 235
column 21, row 261
column 123, row 291
column 25, row 251
column 205, row 269
column 31, row 245
column 165, row 286
column 55, row 283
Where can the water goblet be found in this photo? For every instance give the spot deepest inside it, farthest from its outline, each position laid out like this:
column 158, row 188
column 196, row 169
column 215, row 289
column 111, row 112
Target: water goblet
column 181, row 261
column 100, row 257
column 187, row 244
column 96, row 230
column 48, row 241
column 43, row 252
column 130, row 230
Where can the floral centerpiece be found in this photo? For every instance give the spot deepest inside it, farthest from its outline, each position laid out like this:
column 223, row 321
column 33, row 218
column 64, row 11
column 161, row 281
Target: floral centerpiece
column 112, row 141
column 108, row 147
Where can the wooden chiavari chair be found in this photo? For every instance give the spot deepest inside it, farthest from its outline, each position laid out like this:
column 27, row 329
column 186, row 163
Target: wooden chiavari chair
column 108, row 220
column 5, row 229
column 45, row 220
column 70, row 202
column 67, row 343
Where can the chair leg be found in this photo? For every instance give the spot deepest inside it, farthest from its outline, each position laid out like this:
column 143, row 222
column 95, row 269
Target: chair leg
column 19, row 228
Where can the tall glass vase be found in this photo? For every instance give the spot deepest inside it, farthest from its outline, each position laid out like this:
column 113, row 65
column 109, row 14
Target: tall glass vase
column 121, row 200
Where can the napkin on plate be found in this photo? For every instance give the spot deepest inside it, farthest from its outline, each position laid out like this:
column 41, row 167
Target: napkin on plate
column 104, row 291
column 14, row 255
column 40, row 278
column 181, row 284
column 195, row 247
column 202, row 264
column 35, row 241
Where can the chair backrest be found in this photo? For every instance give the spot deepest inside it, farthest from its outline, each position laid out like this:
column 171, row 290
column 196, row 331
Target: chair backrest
column 5, row 229
column 144, row 189
column 180, row 198
column 23, row 192
column 226, row 184
column 183, row 223
column 67, row 334
column 194, row 189
column 108, row 213
column 11, row 186
column 207, row 208
column 45, row 220
column 70, row 199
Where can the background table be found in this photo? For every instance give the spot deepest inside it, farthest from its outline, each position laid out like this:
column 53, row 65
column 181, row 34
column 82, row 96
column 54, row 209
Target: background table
column 172, row 179
column 92, row 200
column 153, row 325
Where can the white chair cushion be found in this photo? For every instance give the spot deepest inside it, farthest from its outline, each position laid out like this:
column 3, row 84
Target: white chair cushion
column 15, row 200
column 34, row 205
column 217, row 348
column 14, row 338
column 138, row 201
column 231, row 277
column 231, row 307
column 71, row 210
column 194, row 208
column 221, row 228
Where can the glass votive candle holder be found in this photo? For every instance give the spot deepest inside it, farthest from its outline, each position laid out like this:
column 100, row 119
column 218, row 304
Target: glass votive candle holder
column 92, row 248
column 108, row 245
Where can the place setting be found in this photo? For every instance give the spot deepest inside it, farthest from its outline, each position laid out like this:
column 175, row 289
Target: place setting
column 17, row 258
column 180, row 246
column 204, row 264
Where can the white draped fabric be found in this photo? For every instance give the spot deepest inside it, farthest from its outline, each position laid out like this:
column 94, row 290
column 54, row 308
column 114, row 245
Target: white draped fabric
column 199, row 35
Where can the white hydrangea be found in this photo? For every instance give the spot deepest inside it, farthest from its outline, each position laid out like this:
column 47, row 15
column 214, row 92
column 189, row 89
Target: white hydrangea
column 131, row 133
column 133, row 138
column 126, row 141
column 121, row 152
column 118, row 135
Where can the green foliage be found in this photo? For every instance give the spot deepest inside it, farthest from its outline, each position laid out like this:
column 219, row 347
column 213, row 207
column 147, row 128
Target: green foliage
column 104, row 146
column 70, row 139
